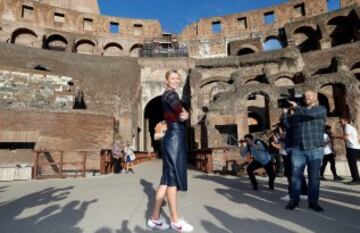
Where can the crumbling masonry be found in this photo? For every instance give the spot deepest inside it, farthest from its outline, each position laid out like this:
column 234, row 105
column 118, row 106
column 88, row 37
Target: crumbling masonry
column 72, row 80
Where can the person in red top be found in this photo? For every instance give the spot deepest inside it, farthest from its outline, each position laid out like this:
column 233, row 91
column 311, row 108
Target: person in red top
column 174, row 173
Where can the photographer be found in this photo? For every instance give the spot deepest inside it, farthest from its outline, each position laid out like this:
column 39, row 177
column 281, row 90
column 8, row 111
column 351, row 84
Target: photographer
column 307, row 126
column 261, row 158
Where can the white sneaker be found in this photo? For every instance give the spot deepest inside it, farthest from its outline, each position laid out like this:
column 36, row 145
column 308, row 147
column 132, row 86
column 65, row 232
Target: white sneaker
column 160, row 224
column 182, row 226
column 285, row 198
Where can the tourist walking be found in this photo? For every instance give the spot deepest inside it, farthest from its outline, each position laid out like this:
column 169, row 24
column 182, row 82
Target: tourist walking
column 129, row 158
column 351, row 138
column 329, row 155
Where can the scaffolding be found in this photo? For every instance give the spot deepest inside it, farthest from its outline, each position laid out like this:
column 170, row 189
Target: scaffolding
column 165, row 46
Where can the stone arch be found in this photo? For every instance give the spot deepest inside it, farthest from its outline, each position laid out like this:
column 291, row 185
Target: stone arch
column 55, row 42
column 257, row 104
column 24, row 36
column 248, row 49
column 336, row 98
column 342, row 30
column 228, row 49
column 299, row 78
column 212, row 80
column 324, row 101
column 306, row 38
column 312, row 26
column 210, row 88
column 355, row 69
column 284, row 81
column 85, row 46
column 254, row 122
column 273, row 43
column 252, row 82
column 152, row 116
column 135, row 50
column 257, row 80
column 113, row 49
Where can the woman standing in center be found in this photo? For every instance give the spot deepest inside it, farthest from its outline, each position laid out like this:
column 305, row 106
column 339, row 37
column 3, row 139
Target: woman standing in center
column 174, row 173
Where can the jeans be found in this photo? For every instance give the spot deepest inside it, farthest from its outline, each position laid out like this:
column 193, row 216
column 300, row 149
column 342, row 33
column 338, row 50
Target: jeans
column 287, row 173
column 312, row 158
column 268, row 168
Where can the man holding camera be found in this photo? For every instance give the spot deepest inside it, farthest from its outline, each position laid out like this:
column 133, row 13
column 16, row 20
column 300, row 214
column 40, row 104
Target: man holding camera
column 307, row 124
column 260, row 158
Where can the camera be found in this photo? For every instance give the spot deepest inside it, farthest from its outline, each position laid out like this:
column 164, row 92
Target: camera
column 291, row 96
column 283, row 103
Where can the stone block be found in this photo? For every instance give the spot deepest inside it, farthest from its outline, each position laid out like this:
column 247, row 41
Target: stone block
column 64, row 98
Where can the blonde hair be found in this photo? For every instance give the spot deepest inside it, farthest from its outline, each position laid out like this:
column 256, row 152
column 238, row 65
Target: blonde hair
column 170, row 72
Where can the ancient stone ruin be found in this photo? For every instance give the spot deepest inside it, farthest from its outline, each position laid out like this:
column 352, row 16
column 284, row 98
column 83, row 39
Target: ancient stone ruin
column 72, row 81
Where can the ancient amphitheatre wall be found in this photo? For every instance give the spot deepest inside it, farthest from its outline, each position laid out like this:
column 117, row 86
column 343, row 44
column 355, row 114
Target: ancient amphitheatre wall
column 314, row 53
column 89, row 6
column 251, row 28
column 39, row 25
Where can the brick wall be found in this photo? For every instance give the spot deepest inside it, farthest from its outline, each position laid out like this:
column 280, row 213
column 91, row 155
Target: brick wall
column 42, row 15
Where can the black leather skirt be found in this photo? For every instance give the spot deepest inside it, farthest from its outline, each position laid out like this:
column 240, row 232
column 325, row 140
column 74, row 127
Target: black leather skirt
column 174, row 157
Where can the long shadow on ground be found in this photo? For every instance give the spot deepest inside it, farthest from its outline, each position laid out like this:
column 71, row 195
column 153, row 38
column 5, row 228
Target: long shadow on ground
column 336, row 218
column 22, row 214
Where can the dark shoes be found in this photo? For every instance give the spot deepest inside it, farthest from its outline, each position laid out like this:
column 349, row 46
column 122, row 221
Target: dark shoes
column 312, row 205
column 292, row 205
column 255, row 188
column 271, row 186
column 354, row 182
column 338, row 178
column 315, row 206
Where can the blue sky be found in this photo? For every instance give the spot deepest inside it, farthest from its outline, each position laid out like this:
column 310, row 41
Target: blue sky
column 174, row 15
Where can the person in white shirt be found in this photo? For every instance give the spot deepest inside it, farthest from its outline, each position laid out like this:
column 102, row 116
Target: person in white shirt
column 329, row 155
column 351, row 138
column 129, row 158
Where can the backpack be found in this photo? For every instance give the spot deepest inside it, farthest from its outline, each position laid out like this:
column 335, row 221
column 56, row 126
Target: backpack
column 266, row 146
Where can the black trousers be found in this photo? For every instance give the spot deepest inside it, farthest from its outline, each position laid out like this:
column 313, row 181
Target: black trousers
column 287, row 172
column 328, row 158
column 277, row 160
column 268, row 168
column 116, row 164
column 352, row 155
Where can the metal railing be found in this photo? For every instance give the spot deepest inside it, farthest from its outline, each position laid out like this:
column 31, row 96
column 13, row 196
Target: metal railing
column 161, row 52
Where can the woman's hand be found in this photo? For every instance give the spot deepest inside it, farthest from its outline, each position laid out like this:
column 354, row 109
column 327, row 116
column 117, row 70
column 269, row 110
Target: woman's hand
column 184, row 115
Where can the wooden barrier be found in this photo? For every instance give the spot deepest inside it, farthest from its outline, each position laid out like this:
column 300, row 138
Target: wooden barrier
column 201, row 160
column 204, row 160
column 58, row 166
